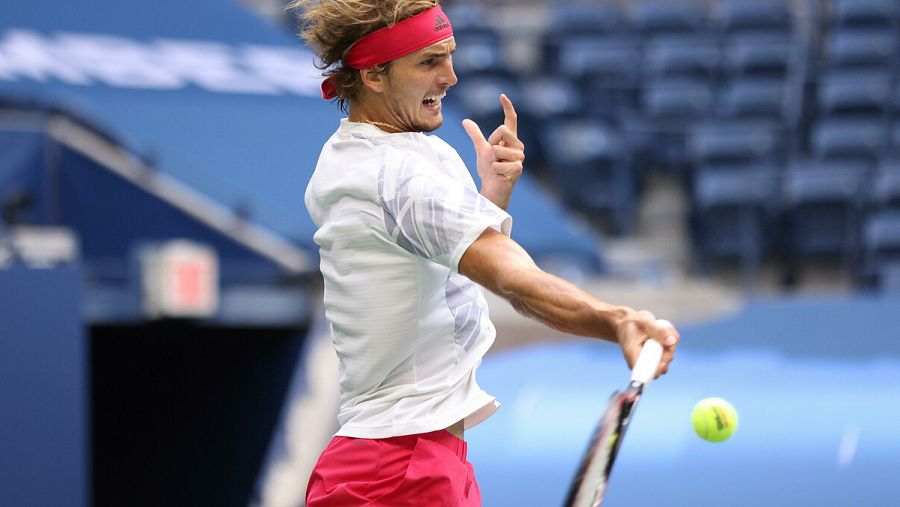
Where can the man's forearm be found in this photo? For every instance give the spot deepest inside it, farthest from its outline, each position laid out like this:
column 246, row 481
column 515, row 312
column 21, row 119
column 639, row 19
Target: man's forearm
column 560, row 304
column 499, row 264
column 503, row 267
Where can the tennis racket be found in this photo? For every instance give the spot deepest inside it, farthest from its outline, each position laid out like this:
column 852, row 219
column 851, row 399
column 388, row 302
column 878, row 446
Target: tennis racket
column 592, row 478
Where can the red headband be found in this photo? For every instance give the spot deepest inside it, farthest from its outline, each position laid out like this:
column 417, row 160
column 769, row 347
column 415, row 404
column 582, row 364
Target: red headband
column 392, row 42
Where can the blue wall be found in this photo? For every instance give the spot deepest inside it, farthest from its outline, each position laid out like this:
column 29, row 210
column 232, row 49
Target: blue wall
column 44, row 407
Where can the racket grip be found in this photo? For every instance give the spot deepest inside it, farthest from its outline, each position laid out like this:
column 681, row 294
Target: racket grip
column 645, row 368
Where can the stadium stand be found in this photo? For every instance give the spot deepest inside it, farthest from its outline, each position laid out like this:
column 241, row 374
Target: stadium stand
column 791, row 84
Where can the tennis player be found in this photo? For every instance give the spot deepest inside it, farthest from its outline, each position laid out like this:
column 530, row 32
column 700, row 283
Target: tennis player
column 407, row 241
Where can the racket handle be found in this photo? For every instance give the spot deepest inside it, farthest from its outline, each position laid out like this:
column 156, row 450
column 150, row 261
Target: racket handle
column 647, row 362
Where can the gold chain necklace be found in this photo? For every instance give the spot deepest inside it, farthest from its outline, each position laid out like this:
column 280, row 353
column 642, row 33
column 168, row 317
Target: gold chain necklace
column 380, row 124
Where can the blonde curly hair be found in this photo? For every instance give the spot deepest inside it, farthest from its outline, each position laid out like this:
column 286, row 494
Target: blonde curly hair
column 330, row 27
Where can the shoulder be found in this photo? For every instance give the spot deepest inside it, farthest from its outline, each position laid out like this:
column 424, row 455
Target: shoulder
column 410, row 157
column 438, row 143
column 348, row 167
column 442, row 148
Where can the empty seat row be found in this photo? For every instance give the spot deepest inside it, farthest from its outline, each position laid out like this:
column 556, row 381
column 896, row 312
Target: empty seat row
column 627, row 59
column 651, row 18
column 815, row 208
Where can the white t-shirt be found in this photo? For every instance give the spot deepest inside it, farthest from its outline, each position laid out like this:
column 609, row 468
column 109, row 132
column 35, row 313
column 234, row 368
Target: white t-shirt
column 395, row 213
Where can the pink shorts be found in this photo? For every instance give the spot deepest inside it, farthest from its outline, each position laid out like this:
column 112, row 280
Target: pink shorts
column 413, row 470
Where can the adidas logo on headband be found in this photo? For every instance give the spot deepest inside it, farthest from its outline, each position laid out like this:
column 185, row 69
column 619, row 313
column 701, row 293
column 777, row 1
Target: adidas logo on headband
column 440, row 24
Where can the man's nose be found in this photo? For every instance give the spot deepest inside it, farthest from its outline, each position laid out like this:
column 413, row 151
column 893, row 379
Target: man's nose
column 448, row 76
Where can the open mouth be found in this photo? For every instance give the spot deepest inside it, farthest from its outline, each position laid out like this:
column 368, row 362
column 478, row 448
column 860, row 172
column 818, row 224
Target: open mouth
column 433, row 101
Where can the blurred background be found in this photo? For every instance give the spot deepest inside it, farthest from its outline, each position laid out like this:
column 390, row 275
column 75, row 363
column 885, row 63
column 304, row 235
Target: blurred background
column 732, row 166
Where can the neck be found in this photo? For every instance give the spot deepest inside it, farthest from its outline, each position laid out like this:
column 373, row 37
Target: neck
column 387, row 127
column 361, row 114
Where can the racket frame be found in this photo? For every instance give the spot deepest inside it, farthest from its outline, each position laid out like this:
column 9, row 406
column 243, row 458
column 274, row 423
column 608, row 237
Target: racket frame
column 592, row 477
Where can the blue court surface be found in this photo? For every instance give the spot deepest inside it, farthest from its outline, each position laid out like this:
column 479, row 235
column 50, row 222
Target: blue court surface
column 816, row 384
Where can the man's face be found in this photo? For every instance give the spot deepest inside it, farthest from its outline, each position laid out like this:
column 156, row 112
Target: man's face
column 414, row 86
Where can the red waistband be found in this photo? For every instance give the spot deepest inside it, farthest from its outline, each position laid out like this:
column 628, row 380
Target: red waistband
column 448, row 440
column 442, row 437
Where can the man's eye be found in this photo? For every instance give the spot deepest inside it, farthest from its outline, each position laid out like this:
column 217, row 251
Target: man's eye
column 429, row 61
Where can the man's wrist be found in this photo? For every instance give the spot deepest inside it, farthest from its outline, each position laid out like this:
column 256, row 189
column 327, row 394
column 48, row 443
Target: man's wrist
column 498, row 198
column 613, row 316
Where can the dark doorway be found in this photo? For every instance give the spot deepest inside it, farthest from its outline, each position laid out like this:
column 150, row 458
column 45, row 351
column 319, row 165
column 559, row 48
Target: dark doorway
column 183, row 415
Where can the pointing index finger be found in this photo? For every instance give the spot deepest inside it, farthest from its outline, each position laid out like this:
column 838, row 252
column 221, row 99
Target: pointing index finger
column 509, row 112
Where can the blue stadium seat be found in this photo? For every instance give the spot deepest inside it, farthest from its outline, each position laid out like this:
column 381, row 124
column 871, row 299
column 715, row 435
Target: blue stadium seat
column 578, row 19
column 887, row 277
column 677, row 98
column 610, row 59
column 640, row 134
column 881, row 250
column 823, row 207
column 544, row 99
column 670, row 106
column 571, row 23
column 849, row 138
column 607, row 70
column 754, row 16
column 678, row 55
column 479, row 48
column 746, row 185
column 735, row 142
column 591, row 166
column 860, row 47
column 735, row 215
column 479, row 53
column 895, row 139
column 759, row 54
column 653, row 18
column 895, row 103
column 470, row 18
column 575, row 141
column 855, row 92
column 775, row 98
column 863, row 12
column 550, row 97
column 478, row 96
column 884, row 191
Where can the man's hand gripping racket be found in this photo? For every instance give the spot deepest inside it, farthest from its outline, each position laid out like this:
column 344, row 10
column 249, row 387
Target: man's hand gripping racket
column 592, row 478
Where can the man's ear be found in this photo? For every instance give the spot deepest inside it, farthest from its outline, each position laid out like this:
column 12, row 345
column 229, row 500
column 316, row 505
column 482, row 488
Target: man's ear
column 373, row 79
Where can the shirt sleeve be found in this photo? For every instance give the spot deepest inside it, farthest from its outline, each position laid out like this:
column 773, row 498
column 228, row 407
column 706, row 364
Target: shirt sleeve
column 433, row 215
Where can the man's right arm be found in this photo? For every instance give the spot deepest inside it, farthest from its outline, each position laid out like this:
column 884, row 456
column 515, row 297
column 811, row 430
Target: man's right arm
column 499, row 264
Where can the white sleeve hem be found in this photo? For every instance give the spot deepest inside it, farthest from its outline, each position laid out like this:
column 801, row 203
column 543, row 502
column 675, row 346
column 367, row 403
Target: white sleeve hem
column 504, row 227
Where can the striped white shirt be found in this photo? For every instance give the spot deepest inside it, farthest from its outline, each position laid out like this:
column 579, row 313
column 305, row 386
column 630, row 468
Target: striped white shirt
column 395, row 213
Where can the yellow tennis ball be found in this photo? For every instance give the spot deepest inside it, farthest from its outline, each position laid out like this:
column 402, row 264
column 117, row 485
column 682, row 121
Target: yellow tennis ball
column 714, row 419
